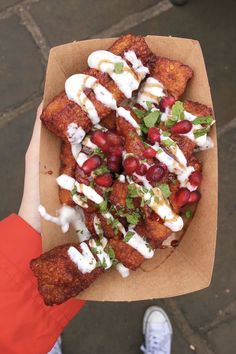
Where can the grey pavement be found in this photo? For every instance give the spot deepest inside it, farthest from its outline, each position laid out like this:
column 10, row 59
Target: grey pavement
column 204, row 322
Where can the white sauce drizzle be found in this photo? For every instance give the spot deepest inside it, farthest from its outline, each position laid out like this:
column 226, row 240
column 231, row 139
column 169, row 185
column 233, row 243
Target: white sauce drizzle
column 140, row 244
column 136, row 63
column 126, row 81
column 124, row 113
column 66, row 182
column 84, row 260
column 82, row 157
column 150, row 91
column 88, row 143
column 75, row 134
column 89, row 192
column 100, row 253
column 124, row 271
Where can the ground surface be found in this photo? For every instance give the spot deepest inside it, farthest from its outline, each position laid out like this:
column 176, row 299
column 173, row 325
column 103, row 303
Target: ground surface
column 204, row 321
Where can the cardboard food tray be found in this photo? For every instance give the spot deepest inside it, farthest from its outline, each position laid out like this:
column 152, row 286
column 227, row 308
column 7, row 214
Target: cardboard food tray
column 188, row 267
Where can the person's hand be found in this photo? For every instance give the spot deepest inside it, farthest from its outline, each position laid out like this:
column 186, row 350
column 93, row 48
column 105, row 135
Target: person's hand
column 30, row 200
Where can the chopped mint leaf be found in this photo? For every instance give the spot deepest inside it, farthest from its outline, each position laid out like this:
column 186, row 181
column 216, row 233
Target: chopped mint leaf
column 91, row 184
column 98, row 151
column 74, row 190
column 149, row 105
column 203, row 120
column 159, row 151
column 110, row 252
column 143, row 128
column 178, row 110
column 104, row 264
column 133, row 218
column 103, row 206
column 149, row 247
column 129, row 203
column 151, row 119
column 133, row 191
column 168, row 142
column 170, row 122
column 188, row 214
column 128, row 236
column 156, row 199
column 119, row 68
column 200, row 132
column 101, row 170
column 165, row 190
column 83, row 198
column 94, row 250
column 139, row 113
column 165, row 133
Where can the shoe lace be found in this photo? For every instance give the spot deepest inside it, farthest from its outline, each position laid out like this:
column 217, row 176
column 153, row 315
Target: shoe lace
column 156, row 344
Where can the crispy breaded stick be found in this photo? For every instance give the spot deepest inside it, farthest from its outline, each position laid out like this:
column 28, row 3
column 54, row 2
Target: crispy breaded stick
column 61, row 111
column 68, row 165
column 58, row 277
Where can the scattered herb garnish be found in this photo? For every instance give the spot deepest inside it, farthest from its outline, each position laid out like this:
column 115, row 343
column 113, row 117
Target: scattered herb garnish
column 171, row 121
column 168, row 142
column 165, row 190
column 149, row 105
column 152, row 118
column 188, row 214
column 74, row 190
column 114, row 224
column 178, row 110
column 119, row 68
column 128, row 236
column 103, row 206
column 133, row 218
column 159, row 151
column 200, row 132
column 139, row 113
column 129, row 202
column 100, row 170
column 203, row 120
column 98, row 151
column 165, row 133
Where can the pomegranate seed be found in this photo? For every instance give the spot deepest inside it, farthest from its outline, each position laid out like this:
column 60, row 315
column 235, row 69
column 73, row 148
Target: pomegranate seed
column 154, row 173
column 195, row 178
column 182, row 196
column 104, row 180
column 154, row 135
column 166, row 102
column 115, row 150
column 114, row 163
column 99, row 138
column 113, row 139
column 142, row 169
column 131, row 164
column 149, row 152
column 91, row 164
column 182, row 127
column 194, row 197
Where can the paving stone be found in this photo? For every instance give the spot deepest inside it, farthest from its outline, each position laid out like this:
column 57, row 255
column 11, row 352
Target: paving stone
column 21, row 69
column 201, row 307
column 223, row 338
column 14, row 139
column 112, row 328
column 213, row 24
column 75, row 20
column 4, row 4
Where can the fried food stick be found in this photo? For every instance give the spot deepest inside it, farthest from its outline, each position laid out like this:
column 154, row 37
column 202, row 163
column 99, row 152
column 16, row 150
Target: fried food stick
column 61, row 111
column 58, row 277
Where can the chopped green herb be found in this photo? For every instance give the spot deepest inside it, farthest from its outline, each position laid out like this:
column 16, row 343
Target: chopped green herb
column 139, row 113
column 178, row 110
column 104, row 264
column 83, row 198
column 203, row 120
column 133, row 218
column 149, row 105
column 200, row 132
column 98, row 151
column 149, row 247
column 103, row 206
column 119, row 68
column 188, row 214
column 165, row 133
column 91, row 184
column 151, row 119
column 159, row 151
column 173, row 180
column 128, row 236
column 114, row 224
column 156, row 199
column 133, row 191
column 74, row 190
column 165, row 190
column 168, row 142
column 143, row 128
column 94, row 250
column 101, row 170
column 170, row 122
column 129, row 203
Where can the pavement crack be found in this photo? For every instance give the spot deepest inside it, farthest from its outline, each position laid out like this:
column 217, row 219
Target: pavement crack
column 135, row 19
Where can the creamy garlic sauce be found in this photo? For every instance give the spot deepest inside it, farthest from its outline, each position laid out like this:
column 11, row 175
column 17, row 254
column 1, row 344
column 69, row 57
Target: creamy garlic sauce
column 85, row 261
column 150, row 91
column 136, row 63
column 124, row 271
column 105, row 61
column 88, row 143
column 89, row 192
column 140, row 244
column 77, row 199
column 97, row 226
column 75, row 134
column 100, row 253
column 66, row 182
column 124, row 113
column 81, row 158
column 121, row 178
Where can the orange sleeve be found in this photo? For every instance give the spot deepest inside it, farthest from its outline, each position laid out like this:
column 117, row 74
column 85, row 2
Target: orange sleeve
column 27, row 325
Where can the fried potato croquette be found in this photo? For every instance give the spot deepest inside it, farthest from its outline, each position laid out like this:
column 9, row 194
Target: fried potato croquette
column 126, row 254
column 197, row 109
column 59, row 278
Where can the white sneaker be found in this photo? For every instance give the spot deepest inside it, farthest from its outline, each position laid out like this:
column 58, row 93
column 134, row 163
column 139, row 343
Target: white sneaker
column 157, row 331
column 57, row 347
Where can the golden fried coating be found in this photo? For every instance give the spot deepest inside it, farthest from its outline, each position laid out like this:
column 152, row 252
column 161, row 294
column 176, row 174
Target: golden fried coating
column 126, row 254
column 68, row 165
column 133, row 142
column 109, row 121
column 185, row 144
column 61, row 111
column 58, row 277
column 118, row 194
column 197, row 109
column 197, row 164
column 172, row 74
column 108, row 230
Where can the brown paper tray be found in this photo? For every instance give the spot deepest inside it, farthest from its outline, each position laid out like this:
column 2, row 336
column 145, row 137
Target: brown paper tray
column 189, row 267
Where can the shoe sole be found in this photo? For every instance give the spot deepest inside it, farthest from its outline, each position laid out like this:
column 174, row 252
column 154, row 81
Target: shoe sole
column 147, row 314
